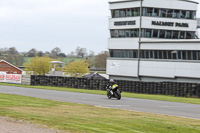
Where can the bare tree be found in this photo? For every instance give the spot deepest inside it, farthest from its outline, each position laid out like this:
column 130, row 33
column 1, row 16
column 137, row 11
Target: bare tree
column 91, row 54
column 81, row 52
column 56, row 51
column 12, row 51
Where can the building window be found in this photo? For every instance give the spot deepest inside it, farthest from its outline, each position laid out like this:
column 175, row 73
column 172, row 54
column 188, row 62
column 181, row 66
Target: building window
column 170, row 55
column 163, row 13
column 155, row 33
column 169, row 13
column 136, row 12
column 129, row 12
column 182, row 14
column 182, row 35
column 149, row 11
column 175, row 35
column 168, row 34
column 162, row 34
column 147, row 33
column 122, row 13
column 124, row 53
column 155, row 12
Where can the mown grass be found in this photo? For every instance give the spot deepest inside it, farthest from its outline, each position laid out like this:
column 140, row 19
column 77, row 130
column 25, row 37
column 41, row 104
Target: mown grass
column 83, row 118
column 124, row 94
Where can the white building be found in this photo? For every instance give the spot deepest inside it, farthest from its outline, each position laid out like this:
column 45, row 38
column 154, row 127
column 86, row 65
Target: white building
column 154, row 40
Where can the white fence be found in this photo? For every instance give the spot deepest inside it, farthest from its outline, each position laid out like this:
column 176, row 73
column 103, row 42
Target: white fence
column 11, row 78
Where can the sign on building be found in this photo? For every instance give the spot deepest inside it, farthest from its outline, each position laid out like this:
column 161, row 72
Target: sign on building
column 11, row 78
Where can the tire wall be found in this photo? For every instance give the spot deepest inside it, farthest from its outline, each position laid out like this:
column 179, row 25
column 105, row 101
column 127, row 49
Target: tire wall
column 178, row 89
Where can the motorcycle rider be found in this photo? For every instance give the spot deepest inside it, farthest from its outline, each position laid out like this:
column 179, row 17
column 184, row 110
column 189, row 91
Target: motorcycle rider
column 110, row 84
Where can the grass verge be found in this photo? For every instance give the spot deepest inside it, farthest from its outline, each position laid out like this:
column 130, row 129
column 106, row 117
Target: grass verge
column 124, row 94
column 83, row 118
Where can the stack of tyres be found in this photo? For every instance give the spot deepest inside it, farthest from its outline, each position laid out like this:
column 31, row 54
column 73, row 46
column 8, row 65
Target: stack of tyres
column 194, row 88
column 198, row 90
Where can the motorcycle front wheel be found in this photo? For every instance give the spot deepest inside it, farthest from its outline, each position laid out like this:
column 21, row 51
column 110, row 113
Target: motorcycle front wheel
column 108, row 95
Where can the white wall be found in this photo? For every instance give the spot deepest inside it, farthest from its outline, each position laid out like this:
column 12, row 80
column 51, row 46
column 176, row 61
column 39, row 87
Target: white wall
column 130, row 4
column 123, row 43
column 122, row 67
column 169, row 69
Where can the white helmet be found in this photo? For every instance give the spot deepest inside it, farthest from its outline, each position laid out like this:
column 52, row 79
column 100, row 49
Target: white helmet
column 111, row 80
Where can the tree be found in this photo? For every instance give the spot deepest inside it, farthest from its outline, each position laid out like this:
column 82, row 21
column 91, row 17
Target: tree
column 91, row 54
column 77, row 68
column 32, row 52
column 56, row 51
column 81, row 52
column 12, row 51
column 39, row 65
column 17, row 60
column 40, row 53
column 62, row 55
column 100, row 59
column 71, row 54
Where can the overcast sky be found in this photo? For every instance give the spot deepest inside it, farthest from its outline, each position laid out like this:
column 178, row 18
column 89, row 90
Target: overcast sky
column 46, row 24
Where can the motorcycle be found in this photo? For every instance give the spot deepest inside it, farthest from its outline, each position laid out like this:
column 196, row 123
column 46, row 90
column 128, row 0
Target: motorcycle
column 114, row 91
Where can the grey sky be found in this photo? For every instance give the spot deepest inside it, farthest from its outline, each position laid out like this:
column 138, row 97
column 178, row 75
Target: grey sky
column 45, row 24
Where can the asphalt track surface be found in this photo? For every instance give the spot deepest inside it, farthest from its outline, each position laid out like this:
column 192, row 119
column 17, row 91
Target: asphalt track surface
column 134, row 104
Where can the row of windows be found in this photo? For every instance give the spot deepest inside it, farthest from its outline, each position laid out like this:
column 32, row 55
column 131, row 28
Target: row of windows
column 153, row 33
column 167, row 34
column 154, row 12
column 169, row 13
column 124, row 53
column 124, row 33
column 157, row 54
column 125, row 12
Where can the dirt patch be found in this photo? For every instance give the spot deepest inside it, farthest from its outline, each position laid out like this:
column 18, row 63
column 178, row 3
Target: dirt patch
column 8, row 125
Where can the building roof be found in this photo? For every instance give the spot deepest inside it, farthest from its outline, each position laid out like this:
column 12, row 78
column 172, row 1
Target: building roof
column 94, row 75
column 56, row 62
column 121, row 1
column 171, row 41
column 11, row 65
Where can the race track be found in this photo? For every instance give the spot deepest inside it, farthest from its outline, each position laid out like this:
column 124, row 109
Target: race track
column 134, row 104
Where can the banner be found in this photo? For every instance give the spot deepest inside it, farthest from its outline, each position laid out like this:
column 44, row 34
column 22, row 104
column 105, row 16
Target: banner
column 11, row 78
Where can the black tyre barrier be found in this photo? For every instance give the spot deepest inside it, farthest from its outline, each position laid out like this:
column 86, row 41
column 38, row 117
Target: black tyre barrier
column 178, row 89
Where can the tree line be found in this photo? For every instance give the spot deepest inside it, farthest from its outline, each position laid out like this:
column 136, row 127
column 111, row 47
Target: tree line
column 17, row 58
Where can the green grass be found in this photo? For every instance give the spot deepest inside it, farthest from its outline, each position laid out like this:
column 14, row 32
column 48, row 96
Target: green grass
column 27, row 59
column 83, row 118
column 67, row 60
column 124, row 94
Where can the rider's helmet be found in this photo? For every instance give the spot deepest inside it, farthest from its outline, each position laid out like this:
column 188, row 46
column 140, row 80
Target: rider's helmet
column 112, row 80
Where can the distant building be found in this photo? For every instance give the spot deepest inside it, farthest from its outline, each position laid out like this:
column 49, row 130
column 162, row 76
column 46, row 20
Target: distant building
column 8, row 68
column 154, row 40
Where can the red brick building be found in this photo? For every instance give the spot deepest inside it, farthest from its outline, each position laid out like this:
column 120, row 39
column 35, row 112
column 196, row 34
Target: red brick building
column 9, row 68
